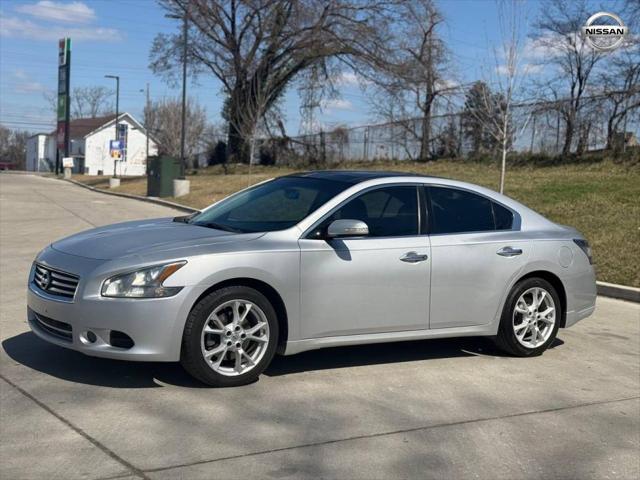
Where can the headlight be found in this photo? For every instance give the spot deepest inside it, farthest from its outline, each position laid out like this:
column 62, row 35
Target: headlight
column 143, row 283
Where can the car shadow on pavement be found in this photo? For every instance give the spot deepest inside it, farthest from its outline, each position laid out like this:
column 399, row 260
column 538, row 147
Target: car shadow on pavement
column 32, row 352
column 382, row 353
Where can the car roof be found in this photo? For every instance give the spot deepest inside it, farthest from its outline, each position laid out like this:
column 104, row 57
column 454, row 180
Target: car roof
column 352, row 176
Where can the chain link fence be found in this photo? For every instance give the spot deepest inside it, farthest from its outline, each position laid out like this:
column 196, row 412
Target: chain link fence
column 537, row 128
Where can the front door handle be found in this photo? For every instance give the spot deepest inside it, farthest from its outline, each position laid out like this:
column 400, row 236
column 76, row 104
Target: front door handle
column 509, row 252
column 413, row 257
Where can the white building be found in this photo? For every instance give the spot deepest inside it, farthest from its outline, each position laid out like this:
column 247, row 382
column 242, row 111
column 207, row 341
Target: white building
column 41, row 153
column 89, row 147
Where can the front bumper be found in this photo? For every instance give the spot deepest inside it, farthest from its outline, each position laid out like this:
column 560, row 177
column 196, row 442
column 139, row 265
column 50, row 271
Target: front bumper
column 154, row 325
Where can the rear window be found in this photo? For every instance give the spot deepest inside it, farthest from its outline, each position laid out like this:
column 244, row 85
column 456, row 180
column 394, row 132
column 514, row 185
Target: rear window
column 458, row 211
column 503, row 217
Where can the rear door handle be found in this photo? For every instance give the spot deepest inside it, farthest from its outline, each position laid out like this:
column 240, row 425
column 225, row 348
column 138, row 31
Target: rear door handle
column 509, row 252
column 413, row 257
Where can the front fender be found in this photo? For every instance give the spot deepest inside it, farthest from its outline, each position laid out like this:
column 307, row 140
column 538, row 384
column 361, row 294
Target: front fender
column 279, row 269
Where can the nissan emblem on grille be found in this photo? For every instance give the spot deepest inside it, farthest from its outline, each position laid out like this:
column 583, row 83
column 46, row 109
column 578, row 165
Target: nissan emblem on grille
column 55, row 282
column 46, row 280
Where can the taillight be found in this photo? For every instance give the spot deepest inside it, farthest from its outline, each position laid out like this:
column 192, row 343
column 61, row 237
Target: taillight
column 584, row 246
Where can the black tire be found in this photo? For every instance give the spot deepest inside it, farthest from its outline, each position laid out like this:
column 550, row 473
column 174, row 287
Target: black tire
column 191, row 356
column 506, row 339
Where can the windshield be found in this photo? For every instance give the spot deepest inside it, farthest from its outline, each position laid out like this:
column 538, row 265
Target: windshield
column 274, row 205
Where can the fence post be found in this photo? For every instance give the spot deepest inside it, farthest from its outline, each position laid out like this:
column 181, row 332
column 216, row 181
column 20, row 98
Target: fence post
column 558, row 131
column 392, row 142
column 460, row 135
column 323, row 153
column 533, row 134
column 366, row 146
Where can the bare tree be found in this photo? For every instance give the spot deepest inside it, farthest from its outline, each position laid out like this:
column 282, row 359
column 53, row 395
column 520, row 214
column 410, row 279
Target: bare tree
column 558, row 37
column 621, row 80
column 496, row 115
column 86, row 102
column 164, row 122
column 91, row 102
column 51, row 97
column 13, row 146
column 254, row 118
column 415, row 74
column 256, row 48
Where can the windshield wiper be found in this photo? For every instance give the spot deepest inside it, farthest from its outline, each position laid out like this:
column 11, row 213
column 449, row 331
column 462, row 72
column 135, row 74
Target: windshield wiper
column 219, row 226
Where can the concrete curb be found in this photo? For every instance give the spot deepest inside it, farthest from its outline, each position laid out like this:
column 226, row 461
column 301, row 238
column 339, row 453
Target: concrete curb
column 157, row 201
column 25, row 172
column 621, row 292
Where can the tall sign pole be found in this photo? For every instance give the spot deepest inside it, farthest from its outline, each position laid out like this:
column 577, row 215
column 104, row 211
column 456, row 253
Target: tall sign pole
column 64, row 80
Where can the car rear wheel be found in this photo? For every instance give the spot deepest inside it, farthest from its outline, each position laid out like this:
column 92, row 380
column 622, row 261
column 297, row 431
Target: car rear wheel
column 230, row 337
column 530, row 318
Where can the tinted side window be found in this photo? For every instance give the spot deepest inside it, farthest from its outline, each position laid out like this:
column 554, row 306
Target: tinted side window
column 502, row 216
column 389, row 212
column 456, row 211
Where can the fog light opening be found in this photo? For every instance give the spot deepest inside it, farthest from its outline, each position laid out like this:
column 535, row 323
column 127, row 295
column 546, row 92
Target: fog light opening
column 120, row 340
column 91, row 337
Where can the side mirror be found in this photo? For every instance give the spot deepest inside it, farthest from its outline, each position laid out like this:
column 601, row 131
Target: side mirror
column 347, row 228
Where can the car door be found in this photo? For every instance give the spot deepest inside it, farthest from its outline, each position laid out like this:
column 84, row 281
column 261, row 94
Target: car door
column 474, row 256
column 361, row 285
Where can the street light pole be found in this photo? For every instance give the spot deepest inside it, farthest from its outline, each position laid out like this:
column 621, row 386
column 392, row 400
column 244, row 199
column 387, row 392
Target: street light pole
column 117, row 79
column 146, row 126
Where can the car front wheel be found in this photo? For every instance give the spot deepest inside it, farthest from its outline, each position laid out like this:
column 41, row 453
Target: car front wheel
column 230, row 337
column 530, row 318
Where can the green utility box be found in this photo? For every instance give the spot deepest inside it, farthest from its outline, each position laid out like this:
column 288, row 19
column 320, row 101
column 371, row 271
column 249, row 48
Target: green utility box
column 162, row 171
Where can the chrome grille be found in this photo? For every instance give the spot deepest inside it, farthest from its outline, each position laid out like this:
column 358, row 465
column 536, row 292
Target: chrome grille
column 55, row 282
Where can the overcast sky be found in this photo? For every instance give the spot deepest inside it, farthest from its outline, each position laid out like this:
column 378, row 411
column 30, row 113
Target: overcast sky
column 114, row 37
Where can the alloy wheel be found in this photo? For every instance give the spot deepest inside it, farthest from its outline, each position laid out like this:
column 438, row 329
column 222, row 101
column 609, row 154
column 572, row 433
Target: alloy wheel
column 534, row 317
column 235, row 337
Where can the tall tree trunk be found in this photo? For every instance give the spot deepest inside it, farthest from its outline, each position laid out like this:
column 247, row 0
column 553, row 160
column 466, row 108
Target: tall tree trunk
column 237, row 147
column 610, row 132
column 242, row 123
column 425, row 134
column 568, row 136
column 583, row 139
column 613, row 122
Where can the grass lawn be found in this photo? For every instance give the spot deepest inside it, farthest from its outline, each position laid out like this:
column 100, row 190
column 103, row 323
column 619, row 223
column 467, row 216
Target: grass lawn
column 602, row 200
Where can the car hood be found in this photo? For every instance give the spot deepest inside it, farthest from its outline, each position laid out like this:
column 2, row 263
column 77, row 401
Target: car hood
column 144, row 237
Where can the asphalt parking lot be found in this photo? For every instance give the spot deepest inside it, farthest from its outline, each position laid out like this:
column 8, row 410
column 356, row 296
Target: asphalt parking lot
column 439, row 408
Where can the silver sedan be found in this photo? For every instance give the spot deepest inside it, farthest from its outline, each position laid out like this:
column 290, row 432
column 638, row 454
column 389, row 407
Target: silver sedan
column 314, row 260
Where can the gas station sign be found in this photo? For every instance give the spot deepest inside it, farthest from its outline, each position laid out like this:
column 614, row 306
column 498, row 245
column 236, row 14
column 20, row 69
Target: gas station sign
column 64, row 69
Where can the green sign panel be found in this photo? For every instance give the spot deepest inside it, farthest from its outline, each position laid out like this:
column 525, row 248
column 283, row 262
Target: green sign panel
column 62, row 108
column 64, row 69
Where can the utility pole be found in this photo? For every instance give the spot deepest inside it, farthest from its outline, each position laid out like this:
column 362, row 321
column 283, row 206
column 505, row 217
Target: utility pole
column 117, row 79
column 146, row 127
column 147, row 113
column 181, row 184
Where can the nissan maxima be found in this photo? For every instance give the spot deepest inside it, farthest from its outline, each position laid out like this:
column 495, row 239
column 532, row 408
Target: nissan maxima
column 313, row 260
